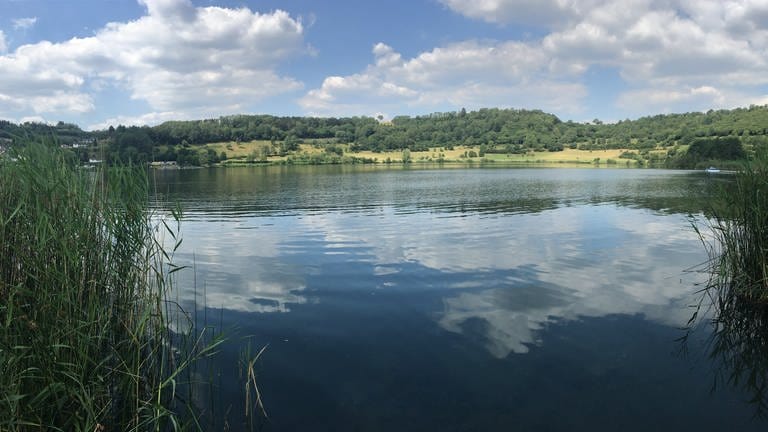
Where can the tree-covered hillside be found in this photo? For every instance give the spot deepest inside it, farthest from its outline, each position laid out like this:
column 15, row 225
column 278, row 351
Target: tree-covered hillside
column 63, row 133
column 661, row 138
column 509, row 130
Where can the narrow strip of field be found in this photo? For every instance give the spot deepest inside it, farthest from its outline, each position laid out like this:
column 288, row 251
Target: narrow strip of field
column 265, row 151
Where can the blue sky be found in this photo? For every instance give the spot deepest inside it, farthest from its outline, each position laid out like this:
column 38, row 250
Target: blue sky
column 107, row 62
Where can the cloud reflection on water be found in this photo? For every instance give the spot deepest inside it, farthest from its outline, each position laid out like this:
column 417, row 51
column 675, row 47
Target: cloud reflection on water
column 637, row 271
column 239, row 270
column 515, row 274
column 489, row 266
column 571, row 262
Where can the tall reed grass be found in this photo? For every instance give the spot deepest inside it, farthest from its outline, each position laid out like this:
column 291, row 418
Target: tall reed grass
column 85, row 313
column 734, row 300
column 739, row 226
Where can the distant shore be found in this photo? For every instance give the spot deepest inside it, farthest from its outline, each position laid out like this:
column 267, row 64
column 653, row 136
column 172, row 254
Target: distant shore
column 253, row 153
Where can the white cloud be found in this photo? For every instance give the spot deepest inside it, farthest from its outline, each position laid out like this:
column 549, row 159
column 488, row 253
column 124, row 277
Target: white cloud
column 34, row 119
column 672, row 49
column 468, row 74
column 209, row 61
column 665, row 45
column 24, row 23
column 676, row 99
column 139, row 120
column 546, row 12
column 177, row 58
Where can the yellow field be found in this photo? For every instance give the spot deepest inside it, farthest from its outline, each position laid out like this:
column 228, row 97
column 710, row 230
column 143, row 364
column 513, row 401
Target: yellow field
column 243, row 150
column 455, row 155
column 567, row 155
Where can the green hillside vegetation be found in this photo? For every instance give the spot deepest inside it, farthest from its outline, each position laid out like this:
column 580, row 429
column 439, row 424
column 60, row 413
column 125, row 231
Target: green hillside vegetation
column 689, row 140
column 65, row 133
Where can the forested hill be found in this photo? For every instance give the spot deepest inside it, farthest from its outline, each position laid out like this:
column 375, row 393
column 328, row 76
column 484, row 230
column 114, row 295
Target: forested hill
column 496, row 130
column 510, row 129
column 63, row 133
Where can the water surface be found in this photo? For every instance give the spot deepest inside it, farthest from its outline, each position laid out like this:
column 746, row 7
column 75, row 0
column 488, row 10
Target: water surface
column 455, row 299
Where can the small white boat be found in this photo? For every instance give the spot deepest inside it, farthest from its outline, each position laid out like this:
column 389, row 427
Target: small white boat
column 712, row 170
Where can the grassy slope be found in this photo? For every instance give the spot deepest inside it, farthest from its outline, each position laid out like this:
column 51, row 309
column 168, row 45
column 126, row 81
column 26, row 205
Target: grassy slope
column 567, row 156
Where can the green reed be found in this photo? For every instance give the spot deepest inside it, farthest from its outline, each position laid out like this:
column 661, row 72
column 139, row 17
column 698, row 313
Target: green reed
column 734, row 300
column 89, row 339
column 739, row 227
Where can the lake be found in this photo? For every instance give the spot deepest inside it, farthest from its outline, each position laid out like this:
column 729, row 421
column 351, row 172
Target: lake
column 455, row 299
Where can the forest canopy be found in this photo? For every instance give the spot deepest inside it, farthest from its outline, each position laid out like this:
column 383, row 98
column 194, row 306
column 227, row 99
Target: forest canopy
column 689, row 138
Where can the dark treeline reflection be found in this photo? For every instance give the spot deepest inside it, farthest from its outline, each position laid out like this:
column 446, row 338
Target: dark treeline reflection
column 285, row 190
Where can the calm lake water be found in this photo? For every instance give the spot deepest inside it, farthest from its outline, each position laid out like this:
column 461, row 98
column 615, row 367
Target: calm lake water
column 454, row 299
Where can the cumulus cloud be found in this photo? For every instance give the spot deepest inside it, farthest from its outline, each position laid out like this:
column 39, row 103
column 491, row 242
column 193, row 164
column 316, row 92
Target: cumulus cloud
column 674, row 54
column 207, row 61
column 702, row 40
column 139, row 120
column 24, row 23
column 468, row 74
column 543, row 12
column 676, row 99
column 177, row 57
column 663, row 45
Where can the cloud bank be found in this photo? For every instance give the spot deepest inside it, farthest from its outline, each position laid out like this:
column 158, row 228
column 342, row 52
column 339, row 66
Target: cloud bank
column 671, row 55
column 179, row 59
column 471, row 74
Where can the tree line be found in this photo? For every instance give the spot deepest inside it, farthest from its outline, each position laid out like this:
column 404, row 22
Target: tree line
column 687, row 139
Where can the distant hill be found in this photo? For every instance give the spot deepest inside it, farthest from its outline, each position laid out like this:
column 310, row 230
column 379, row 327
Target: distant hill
column 492, row 130
column 64, row 133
